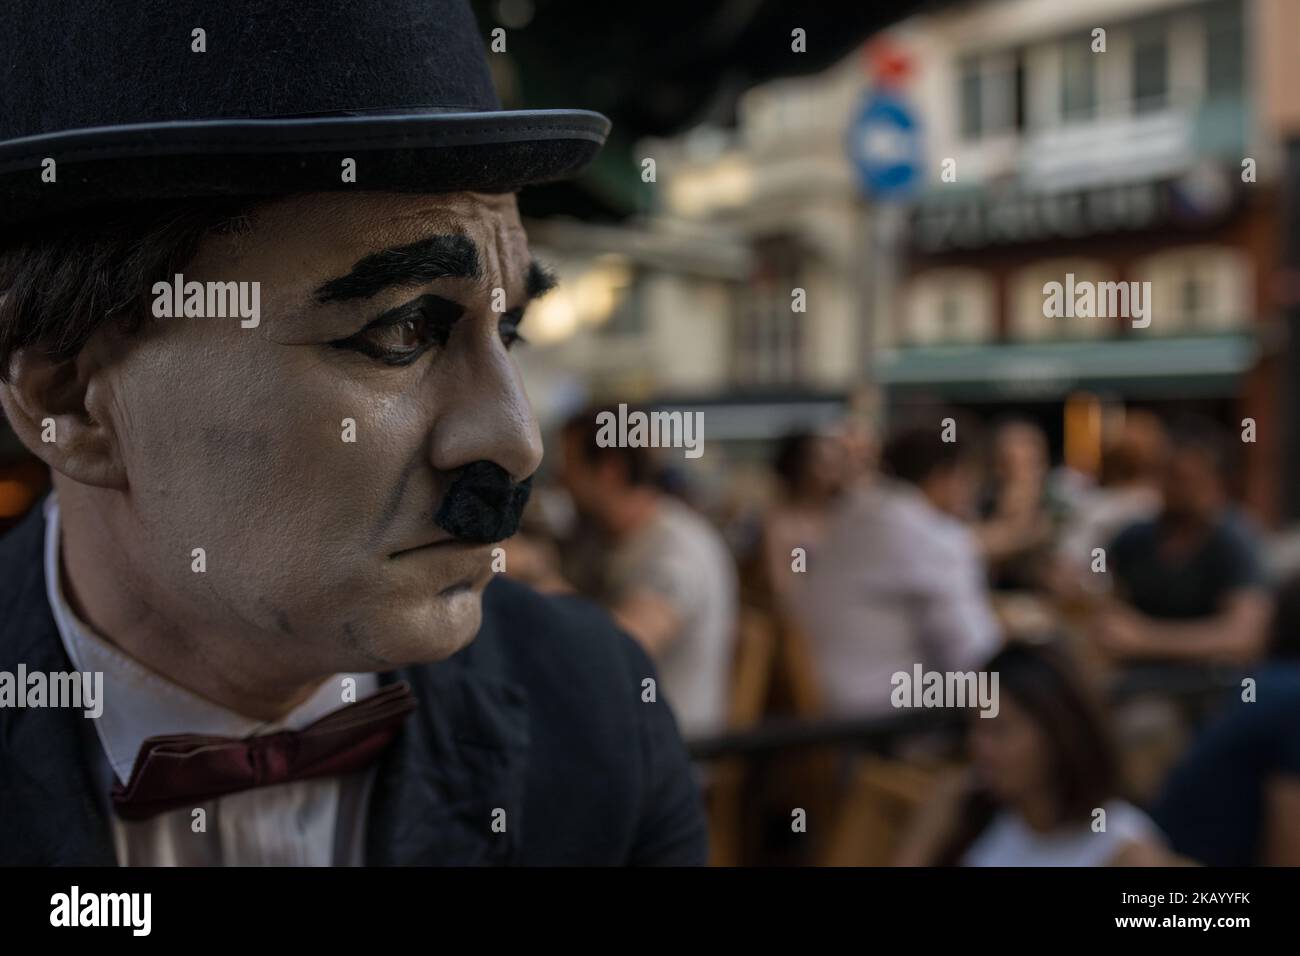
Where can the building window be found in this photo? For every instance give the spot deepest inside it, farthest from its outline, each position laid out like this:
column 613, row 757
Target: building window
column 1021, row 109
column 991, row 94
column 1150, row 69
column 1030, row 318
column 950, row 317
column 948, row 307
column 628, row 316
column 1078, row 80
column 1197, row 290
column 1193, row 300
column 768, row 332
column 971, row 96
column 1224, row 49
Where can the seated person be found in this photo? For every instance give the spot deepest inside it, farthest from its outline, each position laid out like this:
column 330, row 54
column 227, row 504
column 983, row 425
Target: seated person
column 1132, row 468
column 811, row 469
column 898, row 579
column 1190, row 583
column 666, row 574
column 1042, row 769
column 1018, row 511
column 1234, row 799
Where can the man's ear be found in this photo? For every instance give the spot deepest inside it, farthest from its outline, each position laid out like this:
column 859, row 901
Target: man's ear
column 59, row 409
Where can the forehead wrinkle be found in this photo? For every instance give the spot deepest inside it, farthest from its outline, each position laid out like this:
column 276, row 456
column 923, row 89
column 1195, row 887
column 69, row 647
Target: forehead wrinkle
column 510, row 246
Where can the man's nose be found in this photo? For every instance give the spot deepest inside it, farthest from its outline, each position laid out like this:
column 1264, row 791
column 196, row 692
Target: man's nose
column 485, row 415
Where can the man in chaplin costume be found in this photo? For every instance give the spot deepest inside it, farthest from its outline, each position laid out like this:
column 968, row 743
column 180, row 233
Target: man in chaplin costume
column 307, row 658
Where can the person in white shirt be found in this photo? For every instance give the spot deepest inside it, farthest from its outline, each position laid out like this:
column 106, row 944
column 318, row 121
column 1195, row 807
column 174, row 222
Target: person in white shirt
column 665, row 573
column 812, row 469
column 1044, row 786
column 898, row 580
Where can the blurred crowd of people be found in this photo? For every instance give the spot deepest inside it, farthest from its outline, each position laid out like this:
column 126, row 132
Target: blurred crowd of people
column 958, row 548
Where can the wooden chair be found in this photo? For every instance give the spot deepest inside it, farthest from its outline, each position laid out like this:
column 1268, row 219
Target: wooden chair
column 798, row 673
column 879, row 803
column 754, row 663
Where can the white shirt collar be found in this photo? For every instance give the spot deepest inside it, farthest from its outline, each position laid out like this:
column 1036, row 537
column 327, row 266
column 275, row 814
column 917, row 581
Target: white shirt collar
column 139, row 703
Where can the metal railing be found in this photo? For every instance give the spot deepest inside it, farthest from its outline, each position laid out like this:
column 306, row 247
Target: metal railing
column 1195, row 687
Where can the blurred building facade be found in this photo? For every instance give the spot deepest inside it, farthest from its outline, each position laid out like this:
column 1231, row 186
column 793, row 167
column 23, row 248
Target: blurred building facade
column 745, row 221
column 1143, row 161
column 1156, row 159
column 1277, row 27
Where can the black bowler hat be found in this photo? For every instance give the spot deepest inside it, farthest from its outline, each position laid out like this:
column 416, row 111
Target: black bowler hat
column 115, row 93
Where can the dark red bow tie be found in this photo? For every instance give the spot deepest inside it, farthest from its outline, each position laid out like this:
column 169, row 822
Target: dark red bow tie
column 180, row 770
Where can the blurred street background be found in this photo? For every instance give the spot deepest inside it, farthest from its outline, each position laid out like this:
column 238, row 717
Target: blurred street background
column 829, row 230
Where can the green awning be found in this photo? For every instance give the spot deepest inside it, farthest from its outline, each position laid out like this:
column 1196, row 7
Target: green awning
column 1138, row 368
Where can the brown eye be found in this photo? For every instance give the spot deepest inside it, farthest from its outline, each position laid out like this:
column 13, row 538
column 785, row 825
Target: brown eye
column 401, row 335
column 397, row 339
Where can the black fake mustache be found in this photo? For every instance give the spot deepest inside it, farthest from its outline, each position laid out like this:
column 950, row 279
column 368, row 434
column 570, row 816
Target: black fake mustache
column 483, row 504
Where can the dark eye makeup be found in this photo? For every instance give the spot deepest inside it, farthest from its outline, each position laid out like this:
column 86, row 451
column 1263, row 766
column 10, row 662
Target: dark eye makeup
column 402, row 334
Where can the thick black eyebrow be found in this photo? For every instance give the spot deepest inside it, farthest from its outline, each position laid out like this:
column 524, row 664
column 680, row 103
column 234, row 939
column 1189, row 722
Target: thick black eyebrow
column 437, row 257
column 539, row 281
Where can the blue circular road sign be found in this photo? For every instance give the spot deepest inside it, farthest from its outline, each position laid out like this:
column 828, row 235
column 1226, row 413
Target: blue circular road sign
column 884, row 142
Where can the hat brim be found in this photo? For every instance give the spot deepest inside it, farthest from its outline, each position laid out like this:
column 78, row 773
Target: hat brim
column 405, row 152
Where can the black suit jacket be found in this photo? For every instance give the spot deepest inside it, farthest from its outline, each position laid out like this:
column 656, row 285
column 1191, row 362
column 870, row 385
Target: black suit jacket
column 541, row 716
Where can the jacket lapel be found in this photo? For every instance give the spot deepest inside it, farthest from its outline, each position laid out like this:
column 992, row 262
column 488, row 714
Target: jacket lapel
column 460, row 760
column 51, row 812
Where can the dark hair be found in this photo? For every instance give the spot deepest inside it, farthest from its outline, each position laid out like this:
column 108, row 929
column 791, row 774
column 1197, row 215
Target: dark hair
column 1085, row 769
column 61, row 280
column 638, row 464
column 1207, row 439
column 1138, row 452
column 792, row 457
column 917, row 452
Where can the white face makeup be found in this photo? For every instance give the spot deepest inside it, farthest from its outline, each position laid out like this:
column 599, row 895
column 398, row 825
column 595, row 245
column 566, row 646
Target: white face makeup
column 322, row 553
